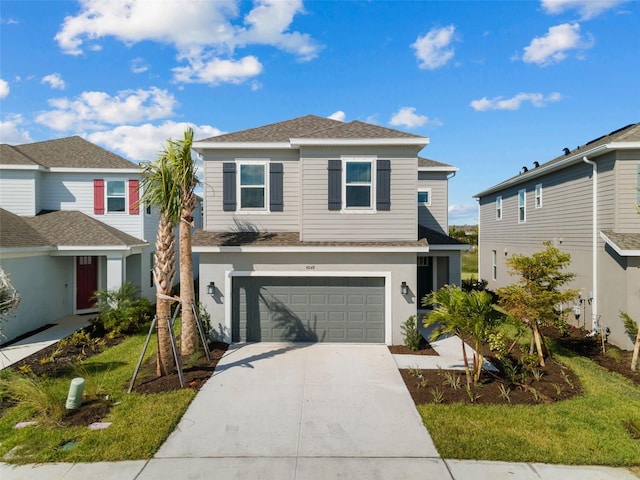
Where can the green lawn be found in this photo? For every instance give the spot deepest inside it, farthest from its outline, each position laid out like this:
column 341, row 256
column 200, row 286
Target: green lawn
column 585, row 430
column 140, row 423
column 470, row 264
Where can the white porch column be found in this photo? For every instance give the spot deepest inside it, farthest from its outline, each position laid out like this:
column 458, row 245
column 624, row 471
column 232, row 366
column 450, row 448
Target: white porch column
column 116, row 268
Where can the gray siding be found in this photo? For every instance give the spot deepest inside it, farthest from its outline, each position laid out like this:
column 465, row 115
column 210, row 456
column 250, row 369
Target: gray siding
column 319, row 223
column 628, row 218
column 215, row 219
column 17, row 191
column 436, row 215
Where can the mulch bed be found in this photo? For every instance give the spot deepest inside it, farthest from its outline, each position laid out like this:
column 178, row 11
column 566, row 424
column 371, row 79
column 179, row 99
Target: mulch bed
column 423, row 349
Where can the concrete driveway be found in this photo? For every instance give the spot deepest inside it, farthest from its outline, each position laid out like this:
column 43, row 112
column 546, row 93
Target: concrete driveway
column 299, row 411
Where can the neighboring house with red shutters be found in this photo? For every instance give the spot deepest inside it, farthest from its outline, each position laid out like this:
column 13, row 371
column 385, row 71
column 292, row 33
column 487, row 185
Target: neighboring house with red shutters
column 70, row 224
column 321, row 230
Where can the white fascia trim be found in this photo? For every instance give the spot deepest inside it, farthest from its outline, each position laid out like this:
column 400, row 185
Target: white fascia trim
column 229, row 274
column 309, row 142
column 618, row 250
column 451, row 248
column 22, row 167
column 66, row 250
column 438, row 169
column 535, row 173
column 126, row 171
column 372, row 249
column 200, row 146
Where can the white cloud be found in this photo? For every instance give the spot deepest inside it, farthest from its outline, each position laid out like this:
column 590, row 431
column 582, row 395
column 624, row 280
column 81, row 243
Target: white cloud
column 93, row 110
column 338, row 115
column 553, row 47
column 11, row 130
column 143, row 143
column 407, row 117
column 205, row 34
column 434, row 50
column 586, row 8
column 4, row 88
column 55, row 81
column 138, row 65
column 215, row 70
column 514, row 103
column 467, row 212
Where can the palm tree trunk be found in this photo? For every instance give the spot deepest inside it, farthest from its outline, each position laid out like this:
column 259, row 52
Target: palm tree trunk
column 536, row 336
column 466, row 362
column 636, row 349
column 164, row 273
column 189, row 331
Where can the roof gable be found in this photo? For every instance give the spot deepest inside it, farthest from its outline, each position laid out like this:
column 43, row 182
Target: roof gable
column 16, row 232
column 69, row 152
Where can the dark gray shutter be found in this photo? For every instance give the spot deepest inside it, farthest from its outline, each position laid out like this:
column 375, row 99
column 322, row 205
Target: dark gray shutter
column 229, row 187
column 275, row 187
column 335, row 184
column 383, row 185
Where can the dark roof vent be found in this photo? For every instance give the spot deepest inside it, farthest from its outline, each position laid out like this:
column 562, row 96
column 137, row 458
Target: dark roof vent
column 525, row 169
column 536, row 164
column 566, row 151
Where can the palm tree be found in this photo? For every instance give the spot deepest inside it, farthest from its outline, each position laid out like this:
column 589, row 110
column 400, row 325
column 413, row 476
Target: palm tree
column 185, row 178
column 159, row 189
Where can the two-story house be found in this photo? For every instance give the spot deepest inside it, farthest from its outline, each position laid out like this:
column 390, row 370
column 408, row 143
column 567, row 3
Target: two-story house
column 321, row 230
column 70, row 224
column 587, row 203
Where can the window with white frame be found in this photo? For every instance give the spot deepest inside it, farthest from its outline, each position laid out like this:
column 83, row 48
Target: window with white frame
column 358, row 183
column 499, row 207
column 539, row 195
column 252, row 184
column 116, row 196
column 494, row 264
column 522, row 206
column 424, row 197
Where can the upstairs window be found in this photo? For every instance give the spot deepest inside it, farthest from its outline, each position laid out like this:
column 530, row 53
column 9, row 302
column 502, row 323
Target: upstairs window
column 424, row 197
column 499, row 207
column 358, row 184
column 253, row 186
column 539, row 195
column 522, row 206
column 116, row 196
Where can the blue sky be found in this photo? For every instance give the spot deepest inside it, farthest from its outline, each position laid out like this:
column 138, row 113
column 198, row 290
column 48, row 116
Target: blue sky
column 494, row 85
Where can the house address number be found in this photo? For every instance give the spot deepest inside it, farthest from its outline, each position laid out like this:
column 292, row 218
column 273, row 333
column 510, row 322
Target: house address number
column 311, row 267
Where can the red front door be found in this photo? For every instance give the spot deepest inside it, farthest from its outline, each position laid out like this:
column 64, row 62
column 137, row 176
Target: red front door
column 86, row 281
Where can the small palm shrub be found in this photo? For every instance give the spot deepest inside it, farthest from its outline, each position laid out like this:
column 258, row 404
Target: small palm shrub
column 122, row 310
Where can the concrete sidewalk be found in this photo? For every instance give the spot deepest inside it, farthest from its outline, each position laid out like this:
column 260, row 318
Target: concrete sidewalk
column 61, row 328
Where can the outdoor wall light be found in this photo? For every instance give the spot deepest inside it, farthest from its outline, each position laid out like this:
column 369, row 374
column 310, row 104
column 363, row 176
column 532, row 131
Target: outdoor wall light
column 211, row 288
column 404, row 288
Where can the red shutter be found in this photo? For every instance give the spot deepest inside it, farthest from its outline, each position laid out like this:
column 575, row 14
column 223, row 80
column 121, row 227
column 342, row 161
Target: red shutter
column 134, row 207
column 98, row 197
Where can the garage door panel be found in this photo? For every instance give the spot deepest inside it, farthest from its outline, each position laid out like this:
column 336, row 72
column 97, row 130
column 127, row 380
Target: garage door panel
column 308, row 309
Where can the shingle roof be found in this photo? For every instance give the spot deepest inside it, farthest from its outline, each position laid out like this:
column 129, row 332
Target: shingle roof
column 72, row 228
column 629, row 133
column 311, row 126
column 60, row 228
column 624, row 241
column 425, row 162
column 280, row 239
column 69, row 152
column 16, row 232
column 292, row 239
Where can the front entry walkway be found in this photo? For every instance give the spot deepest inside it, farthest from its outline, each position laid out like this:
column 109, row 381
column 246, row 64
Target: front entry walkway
column 300, row 411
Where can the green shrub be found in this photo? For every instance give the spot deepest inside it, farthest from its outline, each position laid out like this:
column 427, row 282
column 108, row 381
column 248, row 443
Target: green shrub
column 411, row 333
column 43, row 397
column 122, row 310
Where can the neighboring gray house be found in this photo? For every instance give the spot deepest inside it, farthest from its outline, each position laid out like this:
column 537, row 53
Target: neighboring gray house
column 69, row 225
column 320, row 230
column 587, row 203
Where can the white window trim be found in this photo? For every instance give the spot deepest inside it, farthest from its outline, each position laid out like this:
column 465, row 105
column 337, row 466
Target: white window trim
column 252, row 161
column 372, row 194
column 538, row 195
column 428, row 190
column 523, row 206
column 494, row 264
column 126, row 196
column 499, row 207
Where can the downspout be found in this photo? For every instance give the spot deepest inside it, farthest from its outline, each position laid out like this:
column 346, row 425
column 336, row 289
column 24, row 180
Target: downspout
column 594, row 245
